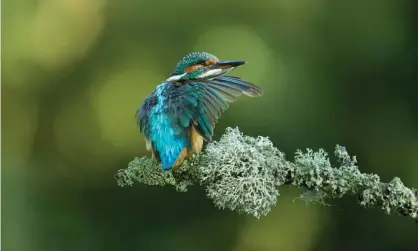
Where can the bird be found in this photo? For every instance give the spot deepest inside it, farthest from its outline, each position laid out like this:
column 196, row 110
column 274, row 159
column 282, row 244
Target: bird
column 181, row 112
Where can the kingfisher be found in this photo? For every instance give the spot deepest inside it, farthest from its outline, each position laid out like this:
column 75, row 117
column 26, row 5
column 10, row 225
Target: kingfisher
column 182, row 111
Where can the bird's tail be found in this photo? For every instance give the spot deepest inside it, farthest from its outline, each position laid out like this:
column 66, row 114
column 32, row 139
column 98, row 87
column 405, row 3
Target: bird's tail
column 179, row 148
column 193, row 144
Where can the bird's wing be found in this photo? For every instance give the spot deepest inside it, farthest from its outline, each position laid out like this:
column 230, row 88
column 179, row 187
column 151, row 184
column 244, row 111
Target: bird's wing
column 202, row 101
column 142, row 114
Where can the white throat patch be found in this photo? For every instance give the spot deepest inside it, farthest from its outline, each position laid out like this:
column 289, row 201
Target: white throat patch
column 209, row 73
column 175, row 77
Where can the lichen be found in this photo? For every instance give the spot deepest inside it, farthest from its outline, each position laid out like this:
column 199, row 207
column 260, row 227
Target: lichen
column 147, row 171
column 239, row 172
column 243, row 173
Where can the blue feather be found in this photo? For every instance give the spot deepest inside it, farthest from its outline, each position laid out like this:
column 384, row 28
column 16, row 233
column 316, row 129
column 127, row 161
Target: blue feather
column 164, row 139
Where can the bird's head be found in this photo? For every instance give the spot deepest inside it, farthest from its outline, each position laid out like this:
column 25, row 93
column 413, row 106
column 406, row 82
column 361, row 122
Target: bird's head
column 201, row 65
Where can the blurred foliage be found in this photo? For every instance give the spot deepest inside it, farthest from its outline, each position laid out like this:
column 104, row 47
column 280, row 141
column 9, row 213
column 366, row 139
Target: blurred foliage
column 74, row 73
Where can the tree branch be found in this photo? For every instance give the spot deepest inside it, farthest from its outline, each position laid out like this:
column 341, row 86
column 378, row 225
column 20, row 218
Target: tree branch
column 243, row 173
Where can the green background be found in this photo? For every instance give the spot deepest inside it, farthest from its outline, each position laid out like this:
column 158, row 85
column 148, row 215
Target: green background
column 75, row 71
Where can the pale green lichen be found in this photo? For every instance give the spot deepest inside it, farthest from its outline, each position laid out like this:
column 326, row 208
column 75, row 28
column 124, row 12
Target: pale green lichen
column 243, row 173
column 145, row 170
column 239, row 173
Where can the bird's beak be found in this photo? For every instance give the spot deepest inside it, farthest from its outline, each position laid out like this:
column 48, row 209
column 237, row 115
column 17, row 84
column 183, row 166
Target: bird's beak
column 228, row 64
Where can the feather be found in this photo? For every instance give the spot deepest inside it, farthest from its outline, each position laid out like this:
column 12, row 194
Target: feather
column 223, row 93
column 203, row 126
column 216, row 110
column 247, row 88
column 217, row 99
column 209, row 113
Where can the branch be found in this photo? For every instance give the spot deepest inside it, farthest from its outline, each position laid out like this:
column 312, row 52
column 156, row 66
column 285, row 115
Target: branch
column 243, row 173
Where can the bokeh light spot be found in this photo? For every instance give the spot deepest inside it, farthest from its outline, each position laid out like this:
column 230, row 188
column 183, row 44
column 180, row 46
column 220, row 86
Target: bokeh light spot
column 116, row 101
column 63, row 30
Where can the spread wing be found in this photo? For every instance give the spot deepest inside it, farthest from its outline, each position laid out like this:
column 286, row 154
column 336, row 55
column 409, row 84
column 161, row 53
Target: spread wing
column 202, row 102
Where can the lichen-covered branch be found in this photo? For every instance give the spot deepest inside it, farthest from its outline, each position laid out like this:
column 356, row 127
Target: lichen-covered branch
column 244, row 173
